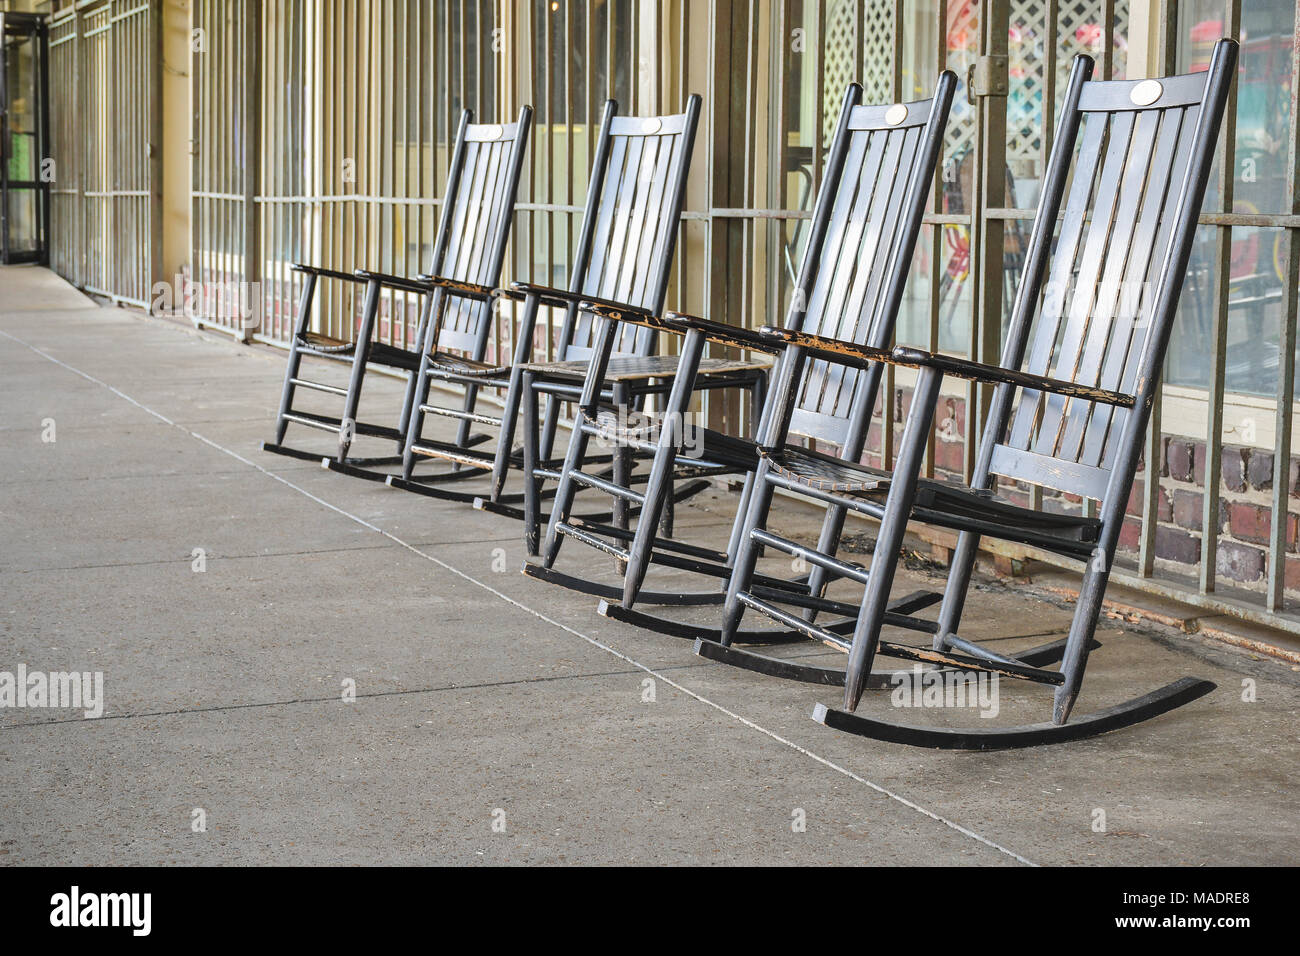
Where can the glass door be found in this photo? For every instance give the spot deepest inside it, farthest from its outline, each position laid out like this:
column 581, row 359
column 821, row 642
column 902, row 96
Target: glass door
column 24, row 136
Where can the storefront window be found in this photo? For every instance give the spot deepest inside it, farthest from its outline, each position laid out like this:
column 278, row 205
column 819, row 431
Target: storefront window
column 1257, row 265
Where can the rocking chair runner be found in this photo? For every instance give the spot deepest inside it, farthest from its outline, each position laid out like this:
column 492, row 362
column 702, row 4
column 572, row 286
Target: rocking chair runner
column 468, row 253
column 1094, row 365
column 623, row 258
column 866, row 220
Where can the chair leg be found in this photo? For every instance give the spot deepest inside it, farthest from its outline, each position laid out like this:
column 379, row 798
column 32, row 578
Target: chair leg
column 588, row 405
column 550, row 424
column 506, row 437
column 893, row 526
column 658, row 488
column 463, row 430
column 657, row 498
column 286, row 395
column 532, row 484
column 669, row 520
column 295, row 358
column 622, row 459
column 1086, row 612
column 954, row 593
column 564, row 494
column 419, row 396
column 408, row 405
column 412, row 382
column 360, row 356
column 828, row 542
column 746, row 553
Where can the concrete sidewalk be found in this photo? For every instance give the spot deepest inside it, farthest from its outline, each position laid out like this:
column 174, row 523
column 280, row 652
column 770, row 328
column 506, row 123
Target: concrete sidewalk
column 483, row 697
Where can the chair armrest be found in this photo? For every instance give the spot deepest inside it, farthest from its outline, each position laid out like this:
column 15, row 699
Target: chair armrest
column 679, row 323
column 832, row 350
column 563, row 298
column 760, row 340
column 321, row 271
column 994, row 375
column 470, row 290
column 394, row 282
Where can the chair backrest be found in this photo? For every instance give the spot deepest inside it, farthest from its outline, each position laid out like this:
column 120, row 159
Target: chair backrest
column 1137, row 155
column 629, row 230
column 866, row 220
column 482, row 182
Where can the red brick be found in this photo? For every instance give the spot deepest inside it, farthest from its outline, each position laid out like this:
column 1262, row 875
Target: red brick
column 1188, row 508
column 1249, row 522
column 1175, row 545
column 1233, row 470
column 1239, row 562
column 1164, row 508
column 1259, row 469
column 1179, row 460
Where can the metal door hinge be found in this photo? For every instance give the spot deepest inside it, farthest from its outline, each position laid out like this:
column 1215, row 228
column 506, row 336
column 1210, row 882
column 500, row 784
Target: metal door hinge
column 987, row 76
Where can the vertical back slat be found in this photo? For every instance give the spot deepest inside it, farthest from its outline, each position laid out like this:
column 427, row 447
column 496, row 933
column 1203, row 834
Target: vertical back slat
column 1100, row 230
column 460, row 211
column 1061, row 276
column 862, row 248
column 861, row 170
column 1128, row 380
column 1102, row 324
column 867, row 301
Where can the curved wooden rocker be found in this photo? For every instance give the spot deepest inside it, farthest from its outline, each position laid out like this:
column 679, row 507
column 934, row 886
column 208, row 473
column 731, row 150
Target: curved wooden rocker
column 1135, row 711
column 1135, row 157
column 623, row 259
column 456, row 303
column 865, row 223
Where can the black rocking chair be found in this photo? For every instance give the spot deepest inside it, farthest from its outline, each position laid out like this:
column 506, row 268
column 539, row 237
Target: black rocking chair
column 1144, row 150
column 865, row 224
column 457, row 300
column 623, row 258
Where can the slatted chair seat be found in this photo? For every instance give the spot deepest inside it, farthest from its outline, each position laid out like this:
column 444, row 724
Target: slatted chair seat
column 326, row 344
column 380, row 352
column 630, row 368
column 944, row 503
column 825, row 472
column 710, row 448
column 464, row 365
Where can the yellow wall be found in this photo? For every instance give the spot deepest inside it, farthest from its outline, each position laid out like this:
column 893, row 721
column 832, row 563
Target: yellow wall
column 176, row 133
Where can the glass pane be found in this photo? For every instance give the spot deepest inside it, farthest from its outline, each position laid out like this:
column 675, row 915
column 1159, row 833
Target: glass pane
column 1257, row 262
column 24, row 226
